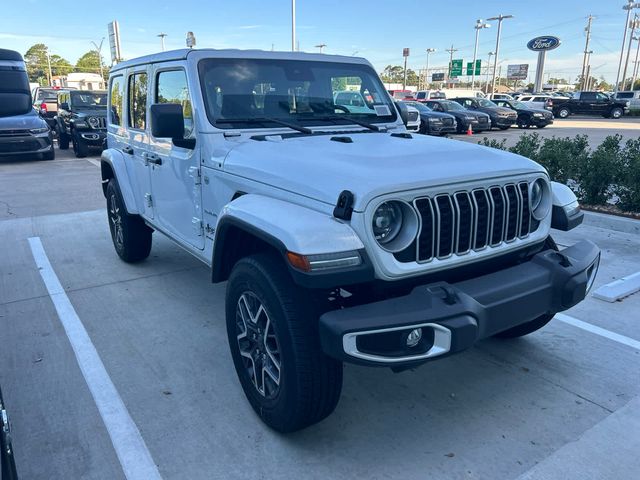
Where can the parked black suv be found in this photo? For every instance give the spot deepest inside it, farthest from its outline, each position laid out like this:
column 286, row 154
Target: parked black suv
column 22, row 130
column 434, row 123
column 479, row 121
column 501, row 117
column 591, row 103
column 81, row 120
column 527, row 116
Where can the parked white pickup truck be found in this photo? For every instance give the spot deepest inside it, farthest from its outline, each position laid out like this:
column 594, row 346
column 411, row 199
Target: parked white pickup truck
column 341, row 236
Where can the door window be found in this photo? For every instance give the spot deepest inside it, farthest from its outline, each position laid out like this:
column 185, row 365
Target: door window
column 116, row 97
column 171, row 87
column 601, row 97
column 137, row 108
column 588, row 96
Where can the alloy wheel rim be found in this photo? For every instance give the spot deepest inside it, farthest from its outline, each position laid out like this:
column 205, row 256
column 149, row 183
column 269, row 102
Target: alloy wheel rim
column 116, row 221
column 258, row 345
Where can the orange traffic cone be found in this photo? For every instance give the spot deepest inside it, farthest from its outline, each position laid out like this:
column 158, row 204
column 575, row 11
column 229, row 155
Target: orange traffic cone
column 469, row 130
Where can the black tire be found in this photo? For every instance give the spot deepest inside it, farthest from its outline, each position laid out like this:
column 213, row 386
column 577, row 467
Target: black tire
column 563, row 112
column 523, row 122
column 63, row 140
column 80, row 147
column 541, row 126
column 309, row 382
column 49, row 155
column 504, row 128
column 130, row 235
column 537, row 323
column 616, row 112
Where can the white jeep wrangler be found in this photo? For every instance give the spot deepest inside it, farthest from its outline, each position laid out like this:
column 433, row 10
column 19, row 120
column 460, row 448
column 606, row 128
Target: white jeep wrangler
column 342, row 238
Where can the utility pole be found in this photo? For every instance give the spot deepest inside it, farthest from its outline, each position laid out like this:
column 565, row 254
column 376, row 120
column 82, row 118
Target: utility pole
column 486, row 88
column 628, row 7
column 293, row 25
column 99, row 52
column 635, row 64
column 634, row 24
column 321, row 46
column 479, row 26
column 586, row 52
column 162, row 35
column 49, row 65
column 426, row 70
column 499, row 18
column 405, row 54
column 451, row 52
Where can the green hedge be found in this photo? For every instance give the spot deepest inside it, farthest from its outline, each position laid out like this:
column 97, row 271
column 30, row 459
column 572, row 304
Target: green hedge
column 608, row 175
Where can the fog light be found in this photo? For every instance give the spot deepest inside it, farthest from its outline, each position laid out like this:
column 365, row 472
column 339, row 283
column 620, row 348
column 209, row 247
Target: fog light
column 414, row 337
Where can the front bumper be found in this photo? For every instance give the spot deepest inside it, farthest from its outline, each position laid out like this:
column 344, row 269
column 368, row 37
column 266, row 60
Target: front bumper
column 26, row 144
column 541, row 121
column 440, row 128
column 503, row 121
column 454, row 316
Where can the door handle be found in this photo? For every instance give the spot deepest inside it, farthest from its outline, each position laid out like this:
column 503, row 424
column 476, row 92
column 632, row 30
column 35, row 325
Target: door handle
column 155, row 159
column 128, row 150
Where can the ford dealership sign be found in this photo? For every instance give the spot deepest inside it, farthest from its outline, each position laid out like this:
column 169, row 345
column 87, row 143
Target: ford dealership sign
column 547, row 42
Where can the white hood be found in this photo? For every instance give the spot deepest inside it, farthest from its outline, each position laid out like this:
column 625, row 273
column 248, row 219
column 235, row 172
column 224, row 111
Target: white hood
column 372, row 165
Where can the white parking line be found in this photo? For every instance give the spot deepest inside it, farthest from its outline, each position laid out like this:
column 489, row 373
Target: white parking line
column 129, row 445
column 616, row 337
column 95, row 162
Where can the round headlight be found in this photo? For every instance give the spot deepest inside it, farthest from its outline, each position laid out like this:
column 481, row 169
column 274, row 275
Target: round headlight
column 394, row 225
column 540, row 199
column 387, row 221
column 93, row 121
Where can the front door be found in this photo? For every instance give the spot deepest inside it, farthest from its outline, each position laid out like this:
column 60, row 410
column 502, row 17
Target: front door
column 175, row 170
column 138, row 143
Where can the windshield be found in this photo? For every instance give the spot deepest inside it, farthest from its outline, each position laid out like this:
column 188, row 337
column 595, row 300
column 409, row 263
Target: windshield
column 421, row 107
column 483, row 102
column 519, row 105
column 452, row 106
column 89, row 100
column 238, row 92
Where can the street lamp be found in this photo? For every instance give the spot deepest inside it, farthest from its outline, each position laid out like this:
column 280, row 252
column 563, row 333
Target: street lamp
column 99, row 52
column 499, row 18
column 479, row 26
column 628, row 7
column 162, row 35
column 321, row 46
column 293, row 25
column 426, row 70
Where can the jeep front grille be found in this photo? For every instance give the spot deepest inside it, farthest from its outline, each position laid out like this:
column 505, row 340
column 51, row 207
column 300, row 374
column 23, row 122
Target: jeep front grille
column 455, row 224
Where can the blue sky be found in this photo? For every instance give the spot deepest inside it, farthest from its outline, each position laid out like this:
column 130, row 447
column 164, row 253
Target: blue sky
column 373, row 29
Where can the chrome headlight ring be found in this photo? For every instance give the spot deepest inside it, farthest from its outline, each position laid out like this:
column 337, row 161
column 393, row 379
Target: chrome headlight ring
column 539, row 198
column 394, row 225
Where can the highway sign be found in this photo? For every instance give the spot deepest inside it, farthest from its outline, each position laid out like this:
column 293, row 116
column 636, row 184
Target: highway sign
column 470, row 68
column 455, row 69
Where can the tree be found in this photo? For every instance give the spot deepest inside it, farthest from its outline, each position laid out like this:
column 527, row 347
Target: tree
column 90, row 62
column 38, row 64
column 395, row 74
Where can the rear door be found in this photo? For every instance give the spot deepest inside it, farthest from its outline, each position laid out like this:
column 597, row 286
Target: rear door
column 175, row 170
column 587, row 104
column 136, row 148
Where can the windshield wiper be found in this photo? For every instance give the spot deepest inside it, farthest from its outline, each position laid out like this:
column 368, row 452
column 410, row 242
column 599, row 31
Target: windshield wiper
column 368, row 125
column 292, row 126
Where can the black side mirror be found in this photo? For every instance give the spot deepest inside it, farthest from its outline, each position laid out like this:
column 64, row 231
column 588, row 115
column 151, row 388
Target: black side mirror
column 167, row 121
column 64, row 106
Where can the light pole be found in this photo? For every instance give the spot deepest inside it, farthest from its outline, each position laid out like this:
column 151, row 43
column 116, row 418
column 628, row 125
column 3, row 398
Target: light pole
column 479, row 26
column 162, row 35
column 635, row 64
column 321, row 46
column 634, row 24
column 99, row 52
column 628, row 7
column 426, row 70
column 293, row 25
column 499, row 18
column 488, row 69
column 586, row 51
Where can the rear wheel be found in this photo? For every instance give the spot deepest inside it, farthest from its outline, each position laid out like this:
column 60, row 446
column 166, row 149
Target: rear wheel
column 536, row 323
column 130, row 235
column 564, row 112
column 272, row 326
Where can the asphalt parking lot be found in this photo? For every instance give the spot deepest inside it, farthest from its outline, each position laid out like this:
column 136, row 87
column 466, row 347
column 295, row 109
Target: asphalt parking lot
column 596, row 128
column 561, row 403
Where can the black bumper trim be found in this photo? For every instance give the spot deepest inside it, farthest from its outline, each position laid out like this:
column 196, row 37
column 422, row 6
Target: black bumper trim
column 472, row 309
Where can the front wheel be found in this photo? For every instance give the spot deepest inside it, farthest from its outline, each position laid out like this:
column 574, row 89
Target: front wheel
column 63, row 140
column 130, row 235
column 616, row 112
column 272, row 327
column 523, row 122
column 80, row 147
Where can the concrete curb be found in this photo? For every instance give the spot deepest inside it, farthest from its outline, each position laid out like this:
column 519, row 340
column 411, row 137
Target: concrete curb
column 612, row 222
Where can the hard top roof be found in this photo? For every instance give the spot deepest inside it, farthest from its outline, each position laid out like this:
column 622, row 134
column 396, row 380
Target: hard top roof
column 181, row 54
